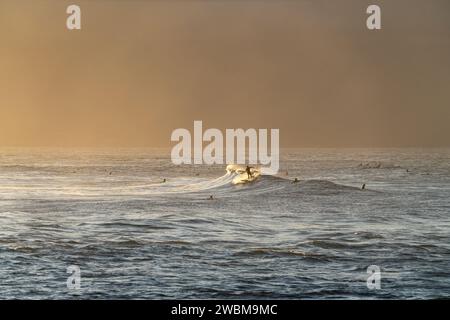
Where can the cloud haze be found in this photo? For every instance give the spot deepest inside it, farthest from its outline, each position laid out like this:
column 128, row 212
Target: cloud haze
column 139, row 69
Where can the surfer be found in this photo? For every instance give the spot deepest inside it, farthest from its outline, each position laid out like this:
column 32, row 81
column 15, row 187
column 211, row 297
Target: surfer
column 249, row 172
column 295, row 180
column 363, row 186
column 164, row 180
column 211, row 197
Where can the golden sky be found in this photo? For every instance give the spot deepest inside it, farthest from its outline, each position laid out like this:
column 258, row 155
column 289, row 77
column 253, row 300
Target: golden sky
column 139, row 69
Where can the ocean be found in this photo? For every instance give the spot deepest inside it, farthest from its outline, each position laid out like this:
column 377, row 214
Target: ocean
column 134, row 236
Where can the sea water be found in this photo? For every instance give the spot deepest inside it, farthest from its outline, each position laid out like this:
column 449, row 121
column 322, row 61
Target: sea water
column 134, row 236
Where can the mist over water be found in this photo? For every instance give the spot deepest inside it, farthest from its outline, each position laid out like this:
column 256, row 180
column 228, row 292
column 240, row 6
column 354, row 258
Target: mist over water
column 134, row 236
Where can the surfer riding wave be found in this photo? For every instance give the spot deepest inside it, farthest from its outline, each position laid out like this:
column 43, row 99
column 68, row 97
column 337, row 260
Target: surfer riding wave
column 243, row 174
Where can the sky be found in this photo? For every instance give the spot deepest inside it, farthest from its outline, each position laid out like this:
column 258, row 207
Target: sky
column 137, row 70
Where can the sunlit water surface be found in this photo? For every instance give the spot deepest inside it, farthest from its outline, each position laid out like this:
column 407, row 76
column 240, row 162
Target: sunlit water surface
column 133, row 236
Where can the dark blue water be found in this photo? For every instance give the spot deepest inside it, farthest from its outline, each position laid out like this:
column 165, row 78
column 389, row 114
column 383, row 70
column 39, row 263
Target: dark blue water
column 132, row 236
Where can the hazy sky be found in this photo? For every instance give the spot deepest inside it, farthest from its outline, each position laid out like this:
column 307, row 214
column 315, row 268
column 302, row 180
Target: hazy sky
column 139, row 69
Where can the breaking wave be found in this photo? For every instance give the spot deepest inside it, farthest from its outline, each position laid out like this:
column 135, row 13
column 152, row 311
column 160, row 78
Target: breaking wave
column 235, row 180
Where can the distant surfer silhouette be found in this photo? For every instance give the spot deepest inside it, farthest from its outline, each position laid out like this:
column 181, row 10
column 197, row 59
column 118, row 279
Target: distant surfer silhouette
column 164, row 180
column 211, row 197
column 249, row 172
column 295, row 180
column 363, row 186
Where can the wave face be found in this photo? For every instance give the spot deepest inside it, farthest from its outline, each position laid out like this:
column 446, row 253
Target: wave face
column 236, row 182
column 140, row 227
